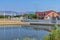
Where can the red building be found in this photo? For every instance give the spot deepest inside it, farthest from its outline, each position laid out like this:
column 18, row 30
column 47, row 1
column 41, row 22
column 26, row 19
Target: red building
column 46, row 14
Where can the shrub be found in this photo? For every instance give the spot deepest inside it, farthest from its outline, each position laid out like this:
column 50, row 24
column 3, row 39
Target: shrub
column 54, row 35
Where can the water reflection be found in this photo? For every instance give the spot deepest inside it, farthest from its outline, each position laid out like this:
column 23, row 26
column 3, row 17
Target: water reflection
column 19, row 32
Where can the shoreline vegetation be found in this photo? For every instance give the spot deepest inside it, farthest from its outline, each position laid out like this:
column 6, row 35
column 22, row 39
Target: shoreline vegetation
column 54, row 35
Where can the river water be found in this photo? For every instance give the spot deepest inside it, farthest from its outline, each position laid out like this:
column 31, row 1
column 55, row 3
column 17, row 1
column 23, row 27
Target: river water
column 19, row 32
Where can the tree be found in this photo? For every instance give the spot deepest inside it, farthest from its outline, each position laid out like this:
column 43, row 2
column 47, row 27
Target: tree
column 54, row 35
column 32, row 16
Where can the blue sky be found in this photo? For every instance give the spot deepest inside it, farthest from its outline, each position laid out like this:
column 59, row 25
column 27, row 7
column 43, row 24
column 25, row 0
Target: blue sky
column 29, row 5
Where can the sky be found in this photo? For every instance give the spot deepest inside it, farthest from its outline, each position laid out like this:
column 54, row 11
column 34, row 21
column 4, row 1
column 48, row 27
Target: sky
column 29, row 5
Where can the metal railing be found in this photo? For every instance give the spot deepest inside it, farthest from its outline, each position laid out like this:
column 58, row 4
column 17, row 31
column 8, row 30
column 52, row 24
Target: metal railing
column 43, row 21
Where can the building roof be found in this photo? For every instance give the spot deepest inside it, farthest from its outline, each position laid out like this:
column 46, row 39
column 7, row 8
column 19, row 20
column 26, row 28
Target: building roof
column 45, row 12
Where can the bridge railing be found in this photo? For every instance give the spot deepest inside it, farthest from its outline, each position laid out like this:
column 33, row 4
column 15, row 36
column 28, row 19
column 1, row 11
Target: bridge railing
column 43, row 21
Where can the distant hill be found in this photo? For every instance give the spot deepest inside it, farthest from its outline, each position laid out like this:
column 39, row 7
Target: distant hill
column 31, row 12
column 9, row 13
column 14, row 13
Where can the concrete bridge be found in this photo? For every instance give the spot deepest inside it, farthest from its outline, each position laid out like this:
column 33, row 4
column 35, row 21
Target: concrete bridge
column 43, row 24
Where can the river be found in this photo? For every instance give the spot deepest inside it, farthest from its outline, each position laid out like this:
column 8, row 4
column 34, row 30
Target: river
column 16, row 31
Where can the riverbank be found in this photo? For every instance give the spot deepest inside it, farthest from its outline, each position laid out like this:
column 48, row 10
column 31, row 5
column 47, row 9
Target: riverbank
column 12, row 22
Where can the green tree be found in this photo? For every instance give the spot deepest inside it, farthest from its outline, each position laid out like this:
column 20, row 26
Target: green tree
column 54, row 35
column 32, row 16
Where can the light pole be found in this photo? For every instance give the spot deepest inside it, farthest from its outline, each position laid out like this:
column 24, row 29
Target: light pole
column 4, row 16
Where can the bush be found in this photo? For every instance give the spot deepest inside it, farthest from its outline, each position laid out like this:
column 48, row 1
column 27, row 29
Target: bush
column 54, row 35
